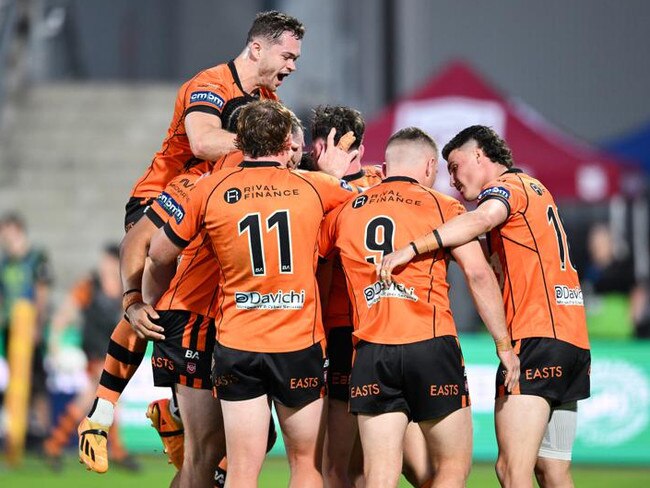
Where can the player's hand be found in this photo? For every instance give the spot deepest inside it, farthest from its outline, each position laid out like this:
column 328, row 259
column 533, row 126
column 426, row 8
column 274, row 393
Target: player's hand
column 140, row 316
column 393, row 260
column 335, row 159
column 511, row 364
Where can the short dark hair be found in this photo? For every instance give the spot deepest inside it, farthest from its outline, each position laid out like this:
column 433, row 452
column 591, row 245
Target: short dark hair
column 494, row 147
column 272, row 24
column 263, row 128
column 343, row 119
column 296, row 124
column 15, row 219
column 413, row 134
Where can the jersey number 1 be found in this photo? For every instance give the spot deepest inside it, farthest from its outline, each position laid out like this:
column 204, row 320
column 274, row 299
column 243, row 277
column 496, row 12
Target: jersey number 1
column 562, row 241
column 251, row 223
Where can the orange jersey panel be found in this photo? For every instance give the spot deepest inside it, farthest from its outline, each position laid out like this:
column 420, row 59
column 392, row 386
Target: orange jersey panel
column 194, row 286
column 386, row 217
column 339, row 308
column 263, row 222
column 530, row 256
column 207, row 92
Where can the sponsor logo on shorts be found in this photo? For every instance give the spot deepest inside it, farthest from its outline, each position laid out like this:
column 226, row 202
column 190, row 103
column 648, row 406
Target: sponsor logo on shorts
column 340, row 379
column 568, row 296
column 232, row 195
column 171, row 206
column 364, row 390
column 544, row 373
column 162, row 363
column 280, row 300
column 191, row 368
column 208, row 97
column 497, row 191
column 308, row 382
column 443, row 390
column 189, row 354
column 379, row 290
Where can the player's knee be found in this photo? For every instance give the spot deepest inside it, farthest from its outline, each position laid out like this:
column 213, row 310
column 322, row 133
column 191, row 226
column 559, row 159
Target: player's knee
column 550, row 473
column 501, row 468
column 454, row 472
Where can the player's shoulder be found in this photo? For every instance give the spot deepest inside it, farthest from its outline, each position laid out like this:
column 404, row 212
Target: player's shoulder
column 442, row 199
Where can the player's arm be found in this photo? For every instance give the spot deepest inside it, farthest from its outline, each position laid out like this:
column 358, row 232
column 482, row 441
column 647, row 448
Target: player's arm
column 208, row 139
column 455, row 232
column 133, row 256
column 161, row 267
column 487, row 297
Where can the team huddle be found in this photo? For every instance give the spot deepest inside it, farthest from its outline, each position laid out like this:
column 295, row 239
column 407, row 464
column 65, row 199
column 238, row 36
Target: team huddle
column 322, row 290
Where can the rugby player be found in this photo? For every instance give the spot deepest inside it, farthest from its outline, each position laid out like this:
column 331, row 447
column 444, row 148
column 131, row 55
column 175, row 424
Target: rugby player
column 528, row 249
column 408, row 363
column 262, row 220
column 202, row 128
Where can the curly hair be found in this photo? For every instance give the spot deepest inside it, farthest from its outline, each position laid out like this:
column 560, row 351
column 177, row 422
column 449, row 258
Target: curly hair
column 494, row 147
column 272, row 24
column 263, row 129
column 343, row 119
column 413, row 134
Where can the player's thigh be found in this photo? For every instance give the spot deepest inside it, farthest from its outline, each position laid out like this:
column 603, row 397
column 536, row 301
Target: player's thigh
column 246, row 424
column 417, row 464
column 520, row 422
column 450, row 437
column 382, row 433
column 557, row 443
column 302, row 427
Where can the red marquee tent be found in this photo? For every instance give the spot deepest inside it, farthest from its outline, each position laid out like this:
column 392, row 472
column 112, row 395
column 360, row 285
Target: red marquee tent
column 458, row 97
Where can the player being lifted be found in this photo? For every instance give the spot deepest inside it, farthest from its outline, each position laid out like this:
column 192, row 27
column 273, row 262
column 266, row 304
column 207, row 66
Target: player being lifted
column 262, row 220
column 408, row 363
column 202, row 128
column 528, row 249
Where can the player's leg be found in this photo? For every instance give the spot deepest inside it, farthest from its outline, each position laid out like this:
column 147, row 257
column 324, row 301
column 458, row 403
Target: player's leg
column 204, row 437
column 302, row 430
column 381, row 438
column 341, row 431
column 246, row 424
column 297, row 387
column 520, row 422
column 449, row 441
column 553, row 466
column 416, row 466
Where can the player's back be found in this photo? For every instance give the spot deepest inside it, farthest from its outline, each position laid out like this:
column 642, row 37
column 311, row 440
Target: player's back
column 530, row 256
column 387, row 217
column 263, row 221
column 207, row 92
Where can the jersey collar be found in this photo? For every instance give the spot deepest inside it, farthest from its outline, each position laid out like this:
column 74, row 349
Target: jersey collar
column 400, row 178
column 259, row 164
column 235, row 76
column 511, row 171
column 354, row 176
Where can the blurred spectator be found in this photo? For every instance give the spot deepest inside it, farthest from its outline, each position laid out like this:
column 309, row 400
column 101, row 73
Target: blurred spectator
column 608, row 282
column 641, row 310
column 25, row 274
column 95, row 305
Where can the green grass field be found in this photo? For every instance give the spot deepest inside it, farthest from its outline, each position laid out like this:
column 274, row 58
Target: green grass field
column 156, row 473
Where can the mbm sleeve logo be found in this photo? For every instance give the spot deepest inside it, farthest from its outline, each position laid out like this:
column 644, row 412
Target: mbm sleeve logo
column 171, row 206
column 208, row 97
column 494, row 191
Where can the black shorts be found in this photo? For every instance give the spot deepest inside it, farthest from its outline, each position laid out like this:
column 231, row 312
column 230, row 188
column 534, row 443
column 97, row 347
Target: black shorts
column 550, row 368
column 185, row 356
column 339, row 353
column 425, row 379
column 292, row 378
column 134, row 210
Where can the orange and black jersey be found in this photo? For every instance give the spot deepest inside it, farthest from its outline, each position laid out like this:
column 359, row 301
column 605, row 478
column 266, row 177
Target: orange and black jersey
column 194, row 286
column 263, row 221
column 386, row 217
column 339, row 309
column 209, row 91
column 530, row 256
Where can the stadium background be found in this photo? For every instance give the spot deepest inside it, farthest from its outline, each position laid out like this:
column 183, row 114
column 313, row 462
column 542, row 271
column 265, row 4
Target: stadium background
column 86, row 93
